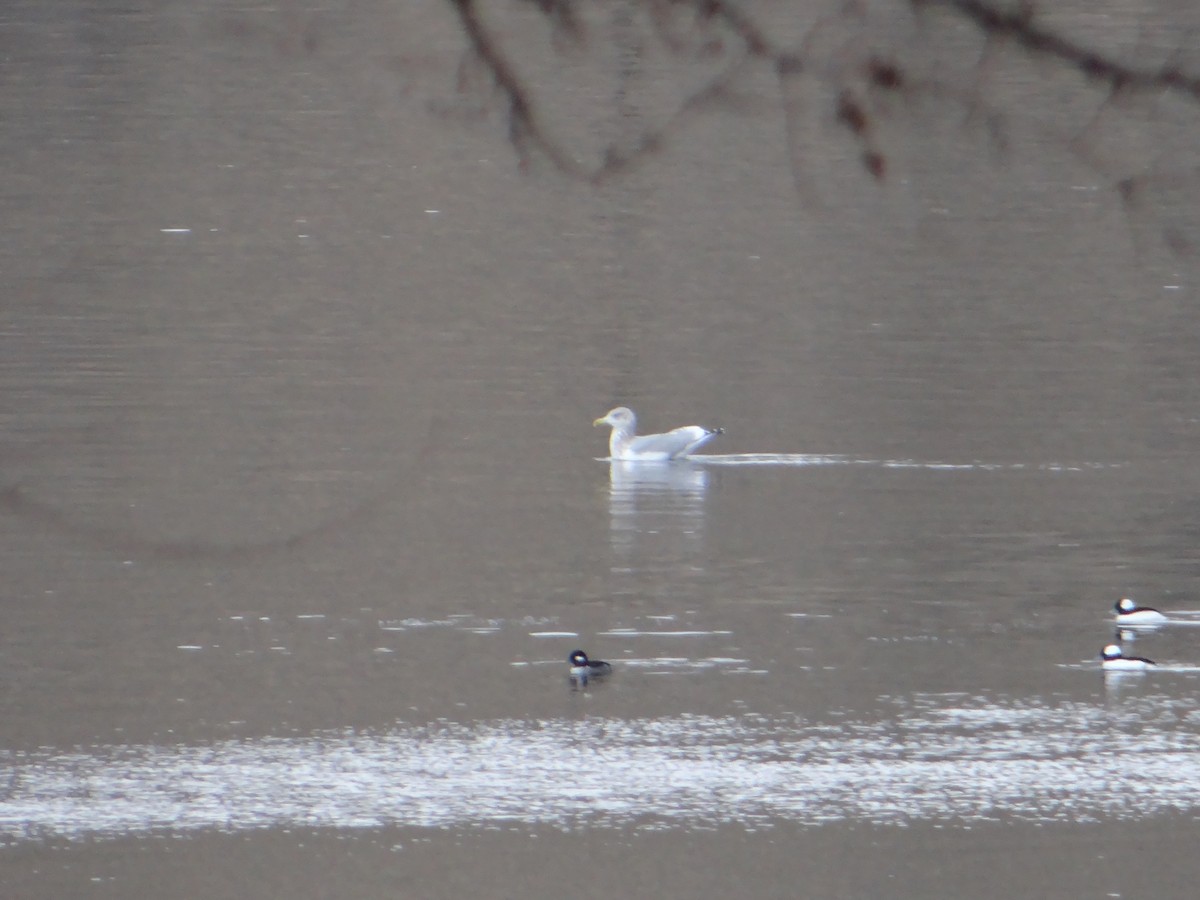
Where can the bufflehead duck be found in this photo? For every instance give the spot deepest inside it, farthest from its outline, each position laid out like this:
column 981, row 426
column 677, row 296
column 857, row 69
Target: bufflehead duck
column 624, row 444
column 1129, row 613
column 583, row 668
column 1112, row 659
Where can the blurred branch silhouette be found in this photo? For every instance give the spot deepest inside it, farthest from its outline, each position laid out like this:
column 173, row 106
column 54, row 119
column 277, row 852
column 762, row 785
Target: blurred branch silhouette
column 847, row 66
column 24, row 504
column 1019, row 24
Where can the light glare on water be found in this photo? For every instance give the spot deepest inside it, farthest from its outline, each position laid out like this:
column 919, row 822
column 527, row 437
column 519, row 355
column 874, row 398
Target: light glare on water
column 939, row 759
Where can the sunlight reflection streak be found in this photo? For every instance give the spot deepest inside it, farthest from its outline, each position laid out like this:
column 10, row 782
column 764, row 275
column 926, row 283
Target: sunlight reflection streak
column 975, row 761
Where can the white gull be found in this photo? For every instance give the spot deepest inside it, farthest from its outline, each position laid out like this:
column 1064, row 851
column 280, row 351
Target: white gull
column 624, row 444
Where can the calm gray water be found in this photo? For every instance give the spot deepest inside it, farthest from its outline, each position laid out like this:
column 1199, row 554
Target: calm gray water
column 302, row 510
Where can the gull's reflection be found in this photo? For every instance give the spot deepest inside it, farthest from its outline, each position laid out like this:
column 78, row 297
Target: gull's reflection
column 681, row 476
column 656, row 513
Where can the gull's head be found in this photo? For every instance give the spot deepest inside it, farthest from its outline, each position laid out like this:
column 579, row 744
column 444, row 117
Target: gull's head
column 621, row 417
column 1126, row 605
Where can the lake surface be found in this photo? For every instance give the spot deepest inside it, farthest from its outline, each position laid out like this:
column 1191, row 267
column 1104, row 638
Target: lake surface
column 302, row 508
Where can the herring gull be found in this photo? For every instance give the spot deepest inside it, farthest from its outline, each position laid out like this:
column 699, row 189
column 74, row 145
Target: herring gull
column 624, row 444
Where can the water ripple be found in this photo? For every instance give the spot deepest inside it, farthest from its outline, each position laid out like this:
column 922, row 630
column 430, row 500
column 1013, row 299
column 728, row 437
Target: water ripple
column 946, row 759
column 828, row 459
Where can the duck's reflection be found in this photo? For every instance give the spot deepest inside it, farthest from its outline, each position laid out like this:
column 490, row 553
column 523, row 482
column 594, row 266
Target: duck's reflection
column 656, row 513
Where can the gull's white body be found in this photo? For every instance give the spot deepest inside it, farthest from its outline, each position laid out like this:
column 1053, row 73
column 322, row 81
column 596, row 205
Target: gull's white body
column 625, row 444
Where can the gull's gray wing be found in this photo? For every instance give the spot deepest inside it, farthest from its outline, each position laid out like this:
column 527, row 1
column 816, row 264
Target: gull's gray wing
column 672, row 444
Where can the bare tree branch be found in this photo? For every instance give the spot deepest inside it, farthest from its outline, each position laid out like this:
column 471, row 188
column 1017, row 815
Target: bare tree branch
column 524, row 128
column 1019, row 25
column 835, row 62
